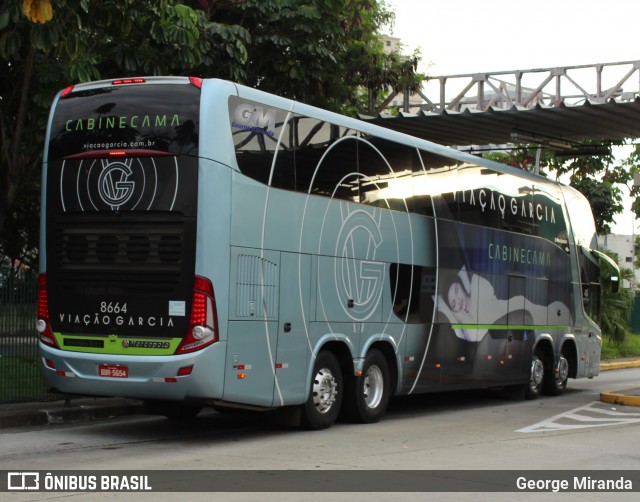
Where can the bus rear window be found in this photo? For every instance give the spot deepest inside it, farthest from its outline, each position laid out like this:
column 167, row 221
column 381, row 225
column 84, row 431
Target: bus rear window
column 156, row 117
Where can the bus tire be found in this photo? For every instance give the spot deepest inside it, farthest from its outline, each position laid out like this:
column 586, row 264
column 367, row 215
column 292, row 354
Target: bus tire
column 325, row 395
column 555, row 379
column 533, row 389
column 367, row 396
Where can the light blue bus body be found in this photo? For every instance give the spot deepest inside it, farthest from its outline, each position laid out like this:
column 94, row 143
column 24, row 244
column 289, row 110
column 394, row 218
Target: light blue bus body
column 345, row 263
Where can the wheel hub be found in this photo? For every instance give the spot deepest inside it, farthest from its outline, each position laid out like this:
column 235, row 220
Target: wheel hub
column 562, row 371
column 537, row 372
column 373, row 387
column 324, row 390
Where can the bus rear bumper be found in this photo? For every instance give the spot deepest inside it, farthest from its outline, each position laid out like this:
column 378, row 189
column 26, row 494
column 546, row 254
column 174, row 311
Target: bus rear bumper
column 199, row 375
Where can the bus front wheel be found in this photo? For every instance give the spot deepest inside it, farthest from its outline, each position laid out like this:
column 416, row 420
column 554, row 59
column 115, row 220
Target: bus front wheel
column 325, row 396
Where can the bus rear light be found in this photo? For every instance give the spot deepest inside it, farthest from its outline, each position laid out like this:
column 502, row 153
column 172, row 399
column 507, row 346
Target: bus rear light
column 203, row 324
column 43, row 326
column 196, row 81
column 185, row 371
column 66, row 91
column 49, row 364
column 124, row 81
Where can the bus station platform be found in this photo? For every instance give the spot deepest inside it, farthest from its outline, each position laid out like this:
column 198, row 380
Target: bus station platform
column 86, row 409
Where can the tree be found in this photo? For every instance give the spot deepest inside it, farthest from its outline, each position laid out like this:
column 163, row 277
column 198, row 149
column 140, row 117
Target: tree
column 68, row 41
column 323, row 52
column 632, row 165
column 328, row 53
column 616, row 307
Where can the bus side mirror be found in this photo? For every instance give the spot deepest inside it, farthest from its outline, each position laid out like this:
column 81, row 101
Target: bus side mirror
column 615, row 284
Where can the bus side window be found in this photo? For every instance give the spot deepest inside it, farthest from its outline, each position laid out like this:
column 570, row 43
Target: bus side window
column 435, row 179
column 551, row 223
column 385, row 169
column 326, row 159
column 284, row 170
column 256, row 146
column 590, row 277
column 412, row 291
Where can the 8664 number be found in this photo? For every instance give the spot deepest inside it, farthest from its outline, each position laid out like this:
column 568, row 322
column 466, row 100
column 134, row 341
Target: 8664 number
column 113, row 308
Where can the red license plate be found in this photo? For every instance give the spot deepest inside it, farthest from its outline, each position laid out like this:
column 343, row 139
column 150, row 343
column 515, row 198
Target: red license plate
column 113, row 371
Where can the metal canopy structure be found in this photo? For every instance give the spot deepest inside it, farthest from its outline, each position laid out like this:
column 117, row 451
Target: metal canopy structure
column 554, row 107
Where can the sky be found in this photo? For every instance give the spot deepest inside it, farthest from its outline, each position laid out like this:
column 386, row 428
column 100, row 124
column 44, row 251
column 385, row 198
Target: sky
column 469, row 36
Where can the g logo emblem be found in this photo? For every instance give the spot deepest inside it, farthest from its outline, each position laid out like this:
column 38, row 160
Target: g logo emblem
column 360, row 280
column 122, row 184
column 114, row 186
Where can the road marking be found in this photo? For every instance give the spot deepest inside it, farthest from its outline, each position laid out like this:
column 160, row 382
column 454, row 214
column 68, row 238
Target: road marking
column 595, row 414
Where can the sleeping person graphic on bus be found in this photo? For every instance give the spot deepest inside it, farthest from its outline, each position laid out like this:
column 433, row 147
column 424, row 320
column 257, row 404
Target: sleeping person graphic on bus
column 471, row 301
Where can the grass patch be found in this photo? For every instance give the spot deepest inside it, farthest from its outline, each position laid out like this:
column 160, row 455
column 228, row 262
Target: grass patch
column 629, row 348
column 20, row 379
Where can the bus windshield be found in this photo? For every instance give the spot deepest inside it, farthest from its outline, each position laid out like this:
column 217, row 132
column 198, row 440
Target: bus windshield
column 160, row 117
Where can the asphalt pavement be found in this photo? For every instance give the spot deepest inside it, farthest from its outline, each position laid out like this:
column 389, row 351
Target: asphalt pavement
column 85, row 409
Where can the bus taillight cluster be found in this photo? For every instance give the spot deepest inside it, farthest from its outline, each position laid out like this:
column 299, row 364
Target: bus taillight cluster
column 203, row 324
column 43, row 325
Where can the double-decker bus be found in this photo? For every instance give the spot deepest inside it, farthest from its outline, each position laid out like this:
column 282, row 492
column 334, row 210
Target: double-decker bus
column 208, row 244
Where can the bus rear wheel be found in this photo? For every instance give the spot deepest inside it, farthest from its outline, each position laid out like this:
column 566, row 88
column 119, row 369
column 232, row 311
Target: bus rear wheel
column 534, row 388
column 325, row 396
column 555, row 381
column 367, row 396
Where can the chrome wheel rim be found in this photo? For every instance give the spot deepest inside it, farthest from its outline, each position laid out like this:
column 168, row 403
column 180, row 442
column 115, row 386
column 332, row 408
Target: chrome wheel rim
column 373, row 387
column 537, row 372
column 562, row 372
column 325, row 390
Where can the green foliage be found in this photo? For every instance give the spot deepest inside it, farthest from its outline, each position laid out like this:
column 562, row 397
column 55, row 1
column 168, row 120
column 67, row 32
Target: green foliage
column 599, row 178
column 21, row 379
column 20, row 237
column 323, row 52
column 632, row 165
column 88, row 41
column 630, row 347
column 327, row 53
column 616, row 307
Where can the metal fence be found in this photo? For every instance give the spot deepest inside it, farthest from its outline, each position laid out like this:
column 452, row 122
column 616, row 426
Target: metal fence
column 20, row 378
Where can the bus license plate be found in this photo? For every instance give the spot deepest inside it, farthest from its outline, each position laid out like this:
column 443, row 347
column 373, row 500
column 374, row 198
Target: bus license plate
column 113, row 371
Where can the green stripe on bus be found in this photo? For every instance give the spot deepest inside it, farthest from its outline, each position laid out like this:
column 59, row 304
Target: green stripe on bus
column 504, row 327
column 114, row 345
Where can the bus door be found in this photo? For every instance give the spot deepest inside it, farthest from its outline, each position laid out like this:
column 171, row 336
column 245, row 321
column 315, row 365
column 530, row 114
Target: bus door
column 293, row 351
column 519, row 319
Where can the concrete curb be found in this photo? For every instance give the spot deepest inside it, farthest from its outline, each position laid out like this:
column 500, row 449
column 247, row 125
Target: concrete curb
column 619, row 365
column 60, row 412
column 627, row 397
